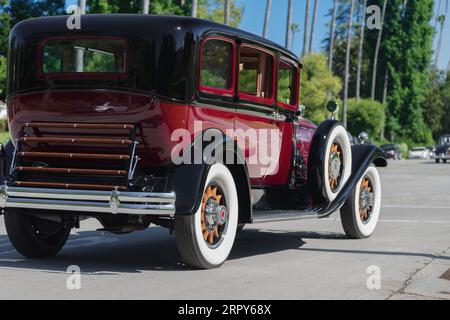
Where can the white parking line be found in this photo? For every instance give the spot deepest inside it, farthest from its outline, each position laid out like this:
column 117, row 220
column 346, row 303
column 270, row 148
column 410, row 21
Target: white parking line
column 415, row 207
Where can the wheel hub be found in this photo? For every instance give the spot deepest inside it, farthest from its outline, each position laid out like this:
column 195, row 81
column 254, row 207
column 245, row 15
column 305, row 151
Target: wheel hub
column 335, row 166
column 214, row 215
column 366, row 200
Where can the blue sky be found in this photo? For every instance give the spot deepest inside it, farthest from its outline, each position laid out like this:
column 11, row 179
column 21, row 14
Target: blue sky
column 253, row 18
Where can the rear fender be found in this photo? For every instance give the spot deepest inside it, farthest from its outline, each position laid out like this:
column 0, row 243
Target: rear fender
column 188, row 180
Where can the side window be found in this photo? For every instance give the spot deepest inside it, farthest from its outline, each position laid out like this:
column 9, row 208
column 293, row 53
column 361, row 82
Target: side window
column 287, row 83
column 255, row 74
column 216, row 70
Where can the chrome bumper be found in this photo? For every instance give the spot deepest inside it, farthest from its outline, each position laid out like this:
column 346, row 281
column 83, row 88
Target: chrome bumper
column 113, row 202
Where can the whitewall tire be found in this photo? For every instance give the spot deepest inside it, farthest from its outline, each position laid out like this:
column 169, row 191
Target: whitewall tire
column 337, row 162
column 361, row 211
column 206, row 238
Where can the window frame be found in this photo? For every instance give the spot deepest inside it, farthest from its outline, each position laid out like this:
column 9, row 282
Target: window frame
column 251, row 98
column 80, row 75
column 213, row 90
column 295, row 98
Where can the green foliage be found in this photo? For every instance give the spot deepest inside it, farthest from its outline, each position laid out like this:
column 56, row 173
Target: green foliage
column 175, row 7
column 3, row 68
column 214, row 10
column 318, row 85
column 403, row 150
column 365, row 115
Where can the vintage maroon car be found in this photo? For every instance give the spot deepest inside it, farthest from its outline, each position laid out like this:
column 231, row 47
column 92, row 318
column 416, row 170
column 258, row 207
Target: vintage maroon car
column 179, row 122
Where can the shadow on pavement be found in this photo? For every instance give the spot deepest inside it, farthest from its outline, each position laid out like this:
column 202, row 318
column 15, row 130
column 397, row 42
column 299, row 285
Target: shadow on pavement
column 156, row 250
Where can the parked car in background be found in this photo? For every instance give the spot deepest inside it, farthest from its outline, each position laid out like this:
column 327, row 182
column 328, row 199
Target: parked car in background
column 431, row 151
column 392, row 151
column 2, row 110
column 419, row 153
column 443, row 149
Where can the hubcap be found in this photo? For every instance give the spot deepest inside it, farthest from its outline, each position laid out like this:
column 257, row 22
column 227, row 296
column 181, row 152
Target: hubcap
column 366, row 200
column 335, row 166
column 214, row 215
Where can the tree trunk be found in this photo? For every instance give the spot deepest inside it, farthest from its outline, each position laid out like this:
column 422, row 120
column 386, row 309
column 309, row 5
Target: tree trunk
column 377, row 51
column 305, row 35
column 82, row 6
column 347, row 64
column 194, row 8
column 227, row 12
column 360, row 50
column 332, row 35
column 267, row 19
column 288, row 26
column 313, row 26
column 145, row 6
column 441, row 19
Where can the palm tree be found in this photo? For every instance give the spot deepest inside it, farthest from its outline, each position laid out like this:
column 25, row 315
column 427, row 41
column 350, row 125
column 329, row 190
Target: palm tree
column 227, row 12
column 441, row 20
column 305, row 35
column 347, row 64
column 332, row 35
column 360, row 50
column 82, row 6
column 145, row 6
column 266, row 19
column 294, row 29
column 313, row 26
column 377, row 51
column 194, row 8
column 288, row 26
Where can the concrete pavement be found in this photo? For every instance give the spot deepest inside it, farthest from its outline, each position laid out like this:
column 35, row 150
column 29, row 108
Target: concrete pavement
column 304, row 259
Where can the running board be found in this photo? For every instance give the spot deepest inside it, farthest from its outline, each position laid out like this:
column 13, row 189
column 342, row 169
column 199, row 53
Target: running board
column 283, row 215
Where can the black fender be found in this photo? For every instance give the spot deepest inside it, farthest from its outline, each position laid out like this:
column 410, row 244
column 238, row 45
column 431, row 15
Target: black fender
column 188, row 179
column 363, row 156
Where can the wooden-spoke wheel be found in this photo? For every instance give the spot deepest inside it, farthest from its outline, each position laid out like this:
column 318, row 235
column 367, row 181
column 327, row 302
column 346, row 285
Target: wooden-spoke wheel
column 213, row 214
column 335, row 166
column 366, row 200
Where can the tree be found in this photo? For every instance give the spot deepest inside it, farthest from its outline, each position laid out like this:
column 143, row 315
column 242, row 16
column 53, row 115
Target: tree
column 305, row 35
column 317, row 84
column 377, row 51
column 365, row 115
column 267, row 19
column 288, row 26
column 347, row 65
column 214, row 10
column 313, row 26
column 441, row 20
column 332, row 32
column 227, row 12
column 360, row 50
column 145, row 6
column 294, row 29
column 194, row 8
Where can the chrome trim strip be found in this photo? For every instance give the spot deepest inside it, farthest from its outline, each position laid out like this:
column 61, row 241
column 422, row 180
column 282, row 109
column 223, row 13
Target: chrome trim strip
column 114, row 202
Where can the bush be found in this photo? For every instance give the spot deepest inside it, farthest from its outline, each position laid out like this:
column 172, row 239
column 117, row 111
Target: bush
column 403, row 150
column 365, row 115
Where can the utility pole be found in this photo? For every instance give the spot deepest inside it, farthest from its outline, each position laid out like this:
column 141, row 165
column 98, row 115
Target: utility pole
column 347, row 65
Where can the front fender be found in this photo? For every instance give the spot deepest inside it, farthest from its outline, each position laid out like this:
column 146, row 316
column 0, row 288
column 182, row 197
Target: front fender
column 363, row 156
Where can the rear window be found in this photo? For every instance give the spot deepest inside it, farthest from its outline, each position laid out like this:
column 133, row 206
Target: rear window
column 88, row 56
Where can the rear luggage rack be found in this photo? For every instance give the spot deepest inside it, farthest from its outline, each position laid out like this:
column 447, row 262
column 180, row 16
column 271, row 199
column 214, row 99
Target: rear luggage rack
column 79, row 167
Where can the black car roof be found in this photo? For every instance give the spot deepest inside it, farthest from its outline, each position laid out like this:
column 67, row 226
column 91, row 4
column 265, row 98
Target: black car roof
column 135, row 23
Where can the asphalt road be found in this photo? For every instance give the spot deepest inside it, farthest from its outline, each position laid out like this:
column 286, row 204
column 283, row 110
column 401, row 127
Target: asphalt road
column 303, row 259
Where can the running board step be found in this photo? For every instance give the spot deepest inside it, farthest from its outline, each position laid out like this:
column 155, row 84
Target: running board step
column 279, row 215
